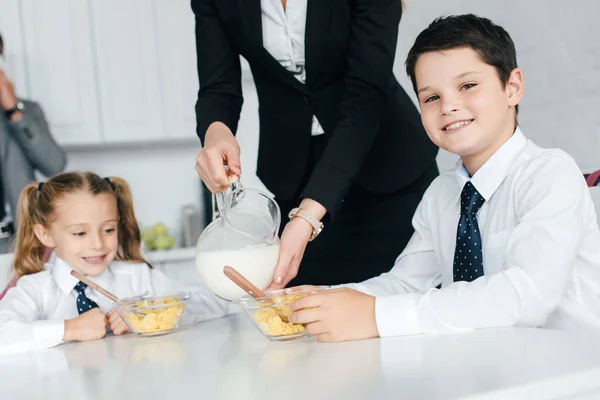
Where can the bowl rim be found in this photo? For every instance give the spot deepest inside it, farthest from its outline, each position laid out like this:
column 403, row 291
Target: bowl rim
column 128, row 303
column 304, row 289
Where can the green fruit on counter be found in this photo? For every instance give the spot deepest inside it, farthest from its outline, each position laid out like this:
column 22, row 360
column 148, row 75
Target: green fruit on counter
column 148, row 235
column 160, row 230
column 164, row 242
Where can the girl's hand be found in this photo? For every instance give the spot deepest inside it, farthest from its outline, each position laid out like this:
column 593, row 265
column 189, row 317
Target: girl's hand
column 116, row 323
column 90, row 325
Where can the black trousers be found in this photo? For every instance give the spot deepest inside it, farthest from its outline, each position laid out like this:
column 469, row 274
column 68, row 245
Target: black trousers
column 368, row 233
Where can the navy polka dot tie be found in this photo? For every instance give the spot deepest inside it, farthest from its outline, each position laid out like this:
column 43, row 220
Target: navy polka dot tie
column 83, row 303
column 468, row 257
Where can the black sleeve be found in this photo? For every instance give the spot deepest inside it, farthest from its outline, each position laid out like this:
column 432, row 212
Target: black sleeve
column 220, row 95
column 373, row 37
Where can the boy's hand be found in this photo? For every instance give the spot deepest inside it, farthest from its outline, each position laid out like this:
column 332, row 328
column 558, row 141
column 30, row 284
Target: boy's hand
column 116, row 323
column 337, row 315
column 90, row 325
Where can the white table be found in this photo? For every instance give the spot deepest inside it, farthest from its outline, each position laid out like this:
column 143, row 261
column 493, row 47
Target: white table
column 229, row 359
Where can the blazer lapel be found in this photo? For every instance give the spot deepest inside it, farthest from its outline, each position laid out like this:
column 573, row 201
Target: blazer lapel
column 317, row 24
column 251, row 14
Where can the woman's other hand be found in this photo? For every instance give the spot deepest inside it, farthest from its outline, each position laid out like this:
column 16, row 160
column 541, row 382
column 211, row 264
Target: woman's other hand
column 294, row 239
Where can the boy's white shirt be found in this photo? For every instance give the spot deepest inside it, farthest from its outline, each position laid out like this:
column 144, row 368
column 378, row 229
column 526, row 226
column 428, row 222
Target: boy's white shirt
column 32, row 314
column 541, row 250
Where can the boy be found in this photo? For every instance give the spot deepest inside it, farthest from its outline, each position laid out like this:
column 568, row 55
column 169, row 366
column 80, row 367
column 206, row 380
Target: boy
column 510, row 234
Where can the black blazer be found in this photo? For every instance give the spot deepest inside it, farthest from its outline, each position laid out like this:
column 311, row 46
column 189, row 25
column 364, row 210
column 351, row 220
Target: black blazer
column 375, row 135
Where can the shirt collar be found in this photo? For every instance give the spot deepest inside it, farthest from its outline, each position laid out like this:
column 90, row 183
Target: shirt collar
column 493, row 172
column 61, row 272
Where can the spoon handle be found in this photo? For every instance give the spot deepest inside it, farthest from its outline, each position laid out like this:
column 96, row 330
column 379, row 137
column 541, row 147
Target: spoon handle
column 242, row 282
column 94, row 285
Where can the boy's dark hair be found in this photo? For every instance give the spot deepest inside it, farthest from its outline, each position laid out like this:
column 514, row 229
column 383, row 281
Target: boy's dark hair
column 1, row 45
column 490, row 41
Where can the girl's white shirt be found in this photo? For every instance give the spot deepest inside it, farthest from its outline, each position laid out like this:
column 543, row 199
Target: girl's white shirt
column 33, row 313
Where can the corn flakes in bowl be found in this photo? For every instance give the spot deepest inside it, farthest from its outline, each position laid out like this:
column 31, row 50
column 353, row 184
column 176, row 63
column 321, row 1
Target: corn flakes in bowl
column 153, row 314
column 270, row 314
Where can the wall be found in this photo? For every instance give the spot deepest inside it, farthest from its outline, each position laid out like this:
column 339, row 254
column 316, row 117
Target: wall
column 560, row 60
column 556, row 49
column 162, row 177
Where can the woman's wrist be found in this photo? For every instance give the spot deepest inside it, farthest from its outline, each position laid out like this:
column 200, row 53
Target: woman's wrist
column 314, row 208
column 311, row 212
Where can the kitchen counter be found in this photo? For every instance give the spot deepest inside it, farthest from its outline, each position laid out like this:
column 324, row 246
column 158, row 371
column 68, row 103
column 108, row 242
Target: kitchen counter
column 229, row 359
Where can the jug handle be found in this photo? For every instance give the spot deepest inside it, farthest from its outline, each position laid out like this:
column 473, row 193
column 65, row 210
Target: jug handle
column 218, row 199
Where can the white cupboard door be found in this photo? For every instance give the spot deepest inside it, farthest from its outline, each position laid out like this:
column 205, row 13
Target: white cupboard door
column 177, row 44
column 14, row 53
column 125, row 36
column 59, row 67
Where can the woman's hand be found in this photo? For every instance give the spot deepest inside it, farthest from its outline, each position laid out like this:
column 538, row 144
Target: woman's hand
column 220, row 148
column 294, row 239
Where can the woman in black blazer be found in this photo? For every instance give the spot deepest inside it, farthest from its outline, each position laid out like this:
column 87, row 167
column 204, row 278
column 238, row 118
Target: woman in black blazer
column 339, row 137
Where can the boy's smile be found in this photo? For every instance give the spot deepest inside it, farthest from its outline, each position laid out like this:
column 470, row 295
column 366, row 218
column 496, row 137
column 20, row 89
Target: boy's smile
column 465, row 109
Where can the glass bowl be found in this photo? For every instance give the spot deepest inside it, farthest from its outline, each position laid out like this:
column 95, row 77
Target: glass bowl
column 153, row 314
column 269, row 314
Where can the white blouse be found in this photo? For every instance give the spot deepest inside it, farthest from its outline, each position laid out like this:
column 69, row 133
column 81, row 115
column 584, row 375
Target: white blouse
column 283, row 37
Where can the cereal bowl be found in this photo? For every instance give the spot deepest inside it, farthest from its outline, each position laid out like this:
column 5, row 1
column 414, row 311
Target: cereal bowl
column 153, row 314
column 270, row 314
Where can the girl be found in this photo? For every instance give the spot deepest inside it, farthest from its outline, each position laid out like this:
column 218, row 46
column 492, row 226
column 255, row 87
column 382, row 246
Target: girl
column 90, row 224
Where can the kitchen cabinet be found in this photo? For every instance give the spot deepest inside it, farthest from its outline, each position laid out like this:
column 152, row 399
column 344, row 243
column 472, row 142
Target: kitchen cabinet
column 177, row 48
column 59, row 66
column 125, row 40
column 106, row 71
column 10, row 28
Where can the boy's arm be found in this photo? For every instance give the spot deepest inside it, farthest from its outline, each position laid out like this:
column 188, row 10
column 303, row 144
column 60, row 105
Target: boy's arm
column 539, row 257
column 20, row 329
column 416, row 268
column 415, row 271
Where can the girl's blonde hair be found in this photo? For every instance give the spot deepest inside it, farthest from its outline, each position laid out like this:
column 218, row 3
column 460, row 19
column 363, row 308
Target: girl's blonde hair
column 37, row 204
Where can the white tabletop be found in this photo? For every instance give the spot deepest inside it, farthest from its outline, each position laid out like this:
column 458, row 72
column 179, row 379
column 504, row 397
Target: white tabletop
column 229, row 359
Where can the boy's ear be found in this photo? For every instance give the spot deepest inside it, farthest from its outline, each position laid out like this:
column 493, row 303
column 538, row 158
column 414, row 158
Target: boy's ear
column 515, row 87
column 43, row 235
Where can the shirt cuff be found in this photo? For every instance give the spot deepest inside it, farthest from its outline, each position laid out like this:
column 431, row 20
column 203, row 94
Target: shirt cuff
column 398, row 315
column 409, row 314
column 355, row 286
column 48, row 333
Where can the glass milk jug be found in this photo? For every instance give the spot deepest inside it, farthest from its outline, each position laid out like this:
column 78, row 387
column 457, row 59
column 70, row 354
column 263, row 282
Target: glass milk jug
column 243, row 235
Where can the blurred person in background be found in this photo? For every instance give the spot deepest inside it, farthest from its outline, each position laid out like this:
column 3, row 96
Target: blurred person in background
column 26, row 145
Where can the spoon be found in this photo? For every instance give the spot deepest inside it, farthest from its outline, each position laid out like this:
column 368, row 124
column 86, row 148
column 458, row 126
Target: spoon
column 249, row 288
column 100, row 289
